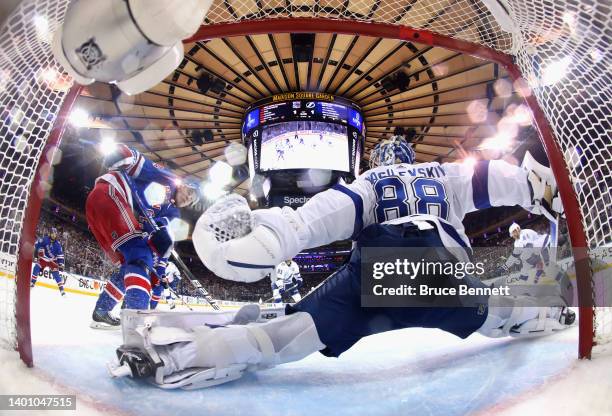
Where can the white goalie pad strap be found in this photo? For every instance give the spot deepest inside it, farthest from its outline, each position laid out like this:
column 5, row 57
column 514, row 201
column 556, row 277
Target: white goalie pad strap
column 225, row 346
column 265, row 346
column 541, row 324
column 197, row 378
column 546, row 323
column 164, row 335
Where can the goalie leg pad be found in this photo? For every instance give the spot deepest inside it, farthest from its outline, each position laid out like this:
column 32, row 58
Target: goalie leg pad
column 132, row 319
column 525, row 316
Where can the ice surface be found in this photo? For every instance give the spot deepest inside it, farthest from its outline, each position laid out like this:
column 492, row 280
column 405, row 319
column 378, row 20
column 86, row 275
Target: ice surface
column 409, row 372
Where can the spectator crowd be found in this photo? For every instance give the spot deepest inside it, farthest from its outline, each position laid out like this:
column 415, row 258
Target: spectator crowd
column 84, row 257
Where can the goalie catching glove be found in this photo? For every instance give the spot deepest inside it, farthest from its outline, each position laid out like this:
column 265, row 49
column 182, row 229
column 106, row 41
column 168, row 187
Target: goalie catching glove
column 237, row 245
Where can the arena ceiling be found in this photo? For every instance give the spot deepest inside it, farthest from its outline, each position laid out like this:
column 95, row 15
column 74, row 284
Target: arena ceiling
column 453, row 101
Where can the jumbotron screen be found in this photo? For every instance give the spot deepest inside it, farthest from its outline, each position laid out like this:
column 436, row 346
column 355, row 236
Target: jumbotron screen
column 303, row 131
column 304, row 145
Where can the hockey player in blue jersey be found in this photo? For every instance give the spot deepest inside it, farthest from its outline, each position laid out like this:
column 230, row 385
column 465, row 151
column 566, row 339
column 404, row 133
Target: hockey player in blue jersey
column 418, row 206
column 115, row 216
column 280, row 152
column 49, row 253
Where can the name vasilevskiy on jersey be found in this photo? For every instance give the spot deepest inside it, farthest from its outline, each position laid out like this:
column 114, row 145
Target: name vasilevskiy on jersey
column 432, row 172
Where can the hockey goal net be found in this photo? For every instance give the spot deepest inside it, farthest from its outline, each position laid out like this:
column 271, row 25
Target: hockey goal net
column 556, row 51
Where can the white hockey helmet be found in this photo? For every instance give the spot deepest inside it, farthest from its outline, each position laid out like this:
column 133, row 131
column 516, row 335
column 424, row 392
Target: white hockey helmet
column 514, row 227
column 134, row 44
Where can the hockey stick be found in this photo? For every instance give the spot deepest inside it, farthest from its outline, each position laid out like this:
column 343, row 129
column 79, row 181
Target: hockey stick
column 177, row 259
column 296, row 286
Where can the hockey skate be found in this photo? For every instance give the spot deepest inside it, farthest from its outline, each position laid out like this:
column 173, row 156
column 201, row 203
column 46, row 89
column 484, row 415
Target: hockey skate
column 549, row 321
column 104, row 320
column 148, row 336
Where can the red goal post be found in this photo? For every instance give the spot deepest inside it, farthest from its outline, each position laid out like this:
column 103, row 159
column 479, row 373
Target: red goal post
column 35, row 107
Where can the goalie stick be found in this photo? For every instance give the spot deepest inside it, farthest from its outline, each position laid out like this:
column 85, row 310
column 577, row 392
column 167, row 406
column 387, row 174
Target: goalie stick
column 177, row 259
column 295, row 286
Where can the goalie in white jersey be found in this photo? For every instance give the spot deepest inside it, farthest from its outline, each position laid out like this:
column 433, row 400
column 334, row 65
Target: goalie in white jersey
column 286, row 280
column 405, row 205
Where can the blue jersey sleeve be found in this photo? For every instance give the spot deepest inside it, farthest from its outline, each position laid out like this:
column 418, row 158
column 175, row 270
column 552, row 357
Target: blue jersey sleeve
column 138, row 167
column 40, row 245
column 58, row 253
column 167, row 213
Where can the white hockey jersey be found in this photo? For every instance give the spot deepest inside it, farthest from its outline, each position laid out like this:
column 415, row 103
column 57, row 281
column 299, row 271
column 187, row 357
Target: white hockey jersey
column 527, row 248
column 286, row 273
column 425, row 194
column 172, row 272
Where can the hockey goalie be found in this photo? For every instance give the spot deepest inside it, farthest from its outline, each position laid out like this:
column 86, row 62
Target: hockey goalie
column 400, row 205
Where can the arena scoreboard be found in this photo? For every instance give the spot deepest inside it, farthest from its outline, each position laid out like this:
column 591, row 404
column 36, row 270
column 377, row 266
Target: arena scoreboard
column 297, row 131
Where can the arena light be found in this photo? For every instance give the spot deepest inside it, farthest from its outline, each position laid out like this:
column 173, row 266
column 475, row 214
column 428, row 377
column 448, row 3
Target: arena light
column 179, row 229
column 220, row 173
column 79, row 117
column 596, row 55
column 469, row 161
column 503, row 88
column 155, row 194
column 477, row 111
column 50, row 75
column 41, row 25
column 555, row 71
column 107, row 145
column 5, row 77
column 521, row 115
column 212, row 191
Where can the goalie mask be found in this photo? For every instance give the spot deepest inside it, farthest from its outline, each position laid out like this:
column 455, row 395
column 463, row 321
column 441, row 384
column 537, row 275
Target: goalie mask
column 392, row 151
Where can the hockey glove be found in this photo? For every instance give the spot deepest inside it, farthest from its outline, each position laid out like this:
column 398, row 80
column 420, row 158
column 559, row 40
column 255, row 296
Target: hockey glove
column 161, row 241
column 231, row 245
column 545, row 194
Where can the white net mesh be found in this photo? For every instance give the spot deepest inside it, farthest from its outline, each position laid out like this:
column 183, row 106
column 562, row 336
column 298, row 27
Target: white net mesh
column 28, row 107
column 561, row 47
column 564, row 55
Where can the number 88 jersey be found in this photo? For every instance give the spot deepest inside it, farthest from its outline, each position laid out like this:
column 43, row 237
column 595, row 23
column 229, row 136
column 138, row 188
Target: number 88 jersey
column 440, row 194
column 445, row 191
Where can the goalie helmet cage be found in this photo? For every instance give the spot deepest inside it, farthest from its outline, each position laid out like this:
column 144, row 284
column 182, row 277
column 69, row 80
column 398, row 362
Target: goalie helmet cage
column 531, row 38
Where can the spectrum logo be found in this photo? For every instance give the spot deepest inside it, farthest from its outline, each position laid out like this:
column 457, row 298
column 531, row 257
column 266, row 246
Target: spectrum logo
column 295, row 200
